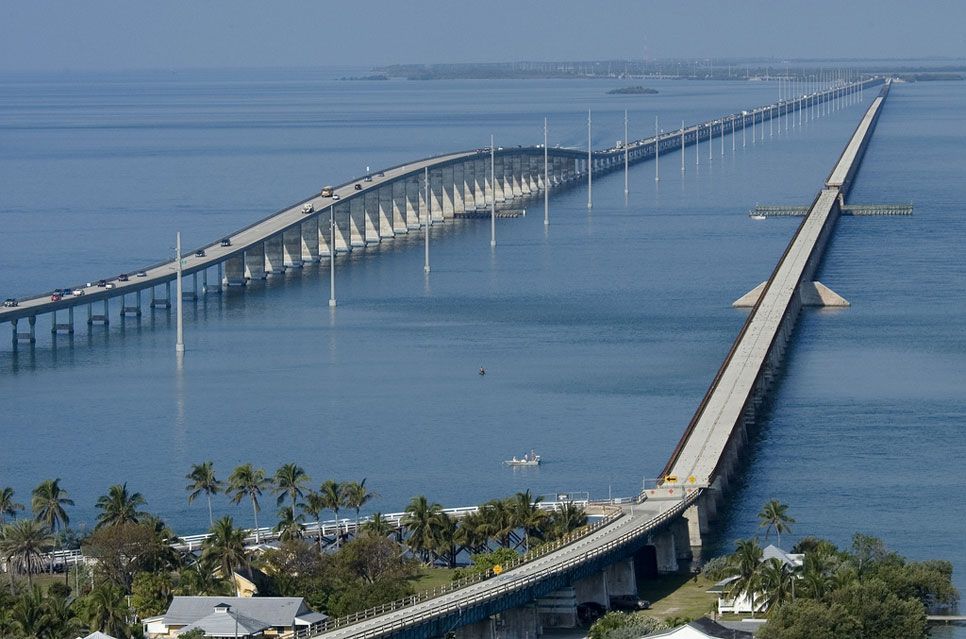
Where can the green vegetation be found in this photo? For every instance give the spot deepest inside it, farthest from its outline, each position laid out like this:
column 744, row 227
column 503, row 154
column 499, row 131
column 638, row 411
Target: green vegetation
column 678, row 596
column 625, row 625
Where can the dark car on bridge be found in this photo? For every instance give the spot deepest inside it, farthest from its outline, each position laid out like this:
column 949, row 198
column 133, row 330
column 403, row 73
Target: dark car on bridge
column 200, row 253
column 122, row 277
column 9, row 302
column 225, row 242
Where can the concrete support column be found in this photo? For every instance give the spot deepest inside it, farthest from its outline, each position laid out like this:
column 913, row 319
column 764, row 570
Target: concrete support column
column 667, row 556
column 343, row 227
column 519, row 622
column 621, row 578
column 436, row 193
column 357, row 221
column 556, row 170
column 412, row 202
column 67, row 327
column 459, row 185
column 486, row 179
column 291, row 247
column 310, row 239
column 371, row 204
column 384, row 196
column 480, row 188
column 697, row 522
column 593, row 588
column 255, row 262
column 448, row 184
column 325, row 244
column 536, row 173
column 499, row 181
column 469, row 185
column 399, row 224
column 156, row 302
column 516, row 175
column 274, row 259
column 558, row 609
column 485, row 629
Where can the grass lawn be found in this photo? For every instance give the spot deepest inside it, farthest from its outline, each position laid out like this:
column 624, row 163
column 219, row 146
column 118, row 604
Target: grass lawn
column 677, row 595
column 430, row 578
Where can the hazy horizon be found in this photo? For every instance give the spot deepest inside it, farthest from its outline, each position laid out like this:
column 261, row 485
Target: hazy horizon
column 113, row 35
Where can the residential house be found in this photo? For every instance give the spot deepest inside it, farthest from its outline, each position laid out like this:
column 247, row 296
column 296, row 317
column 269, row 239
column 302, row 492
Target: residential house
column 741, row 604
column 254, row 617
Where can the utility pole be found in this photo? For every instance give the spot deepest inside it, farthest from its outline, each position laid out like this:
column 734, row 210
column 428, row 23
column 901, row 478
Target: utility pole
column 332, row 256
column 590, row 167
column 626, row 186
column 546, row 178
column 429, row 219
column 493, row 203
column 179, row 345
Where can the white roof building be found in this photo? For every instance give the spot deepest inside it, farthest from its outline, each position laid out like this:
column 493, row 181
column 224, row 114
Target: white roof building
column 218, row 616
column 741, row 604
column 702, row 628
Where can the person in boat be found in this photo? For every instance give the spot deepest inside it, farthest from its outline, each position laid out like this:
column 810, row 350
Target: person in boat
column 482, row 371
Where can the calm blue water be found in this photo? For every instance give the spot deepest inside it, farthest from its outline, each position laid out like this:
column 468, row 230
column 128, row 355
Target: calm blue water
column 599, row 335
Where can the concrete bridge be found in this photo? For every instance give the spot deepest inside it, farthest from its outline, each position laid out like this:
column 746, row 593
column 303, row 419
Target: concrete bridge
column 399, row 200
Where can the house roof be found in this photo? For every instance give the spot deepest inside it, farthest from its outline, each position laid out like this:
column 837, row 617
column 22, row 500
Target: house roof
column 722, row 586
column 310, row 618
column 272, row 611
column 702, row 628
column 98, row 635
column 774, row 552
column 224, row 622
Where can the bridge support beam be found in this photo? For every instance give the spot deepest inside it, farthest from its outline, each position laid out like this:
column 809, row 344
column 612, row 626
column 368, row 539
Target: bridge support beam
column 156, row 302
column 459, row 184
column 325, row 228
column 343, row 227
column 357, row 222
column 469, row 186
column 67, row 327
column 399, row 223
column 371, row 205
column 30, row 336
column 436, row 194
column 310, row 240
column 558, row 609
column 448, row 189
column 255, row 262
column 412, row 203
column 666, row 549
column 516, row 175
column 481, row 188
column 593, row 588
column 235, row 271
column 291, row 248
column 126, row 310
column 274, row 254
column 384, row 202
column 499, row 181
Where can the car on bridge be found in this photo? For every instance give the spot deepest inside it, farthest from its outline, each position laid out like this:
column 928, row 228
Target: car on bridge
column 357, row 187
column 9, row 302
column 200, row 253
column 225, row 241
column 307, row 208
column 122, row 277
column 78, row 291
column 336, row 196
column 141, row 274
column 56, row 297
column 100, row 284
column 326, row 191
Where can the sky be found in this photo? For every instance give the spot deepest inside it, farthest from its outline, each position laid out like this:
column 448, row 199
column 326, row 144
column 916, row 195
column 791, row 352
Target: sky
column 56, row 35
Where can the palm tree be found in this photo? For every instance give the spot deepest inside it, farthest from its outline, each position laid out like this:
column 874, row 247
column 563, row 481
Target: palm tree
column 225, row 546
column 202, row 478
column 59, row 617
column 777, row 582
column 289, row 479
column 8, row 507
column 23, row 543
column 289, row 524
column 48, row 501
column 248, row 481
column 528, row 515
column 29, row 614
column 423, row 521
column 775, row 515
column 568, row 518
column 106, row 610
column 331, row 492
column 497, row 521
column 378, row 526
column 119, row 507
column 445, row 534
column 356, row 496
column 746, row 561
column 314, row 505
column 471, row 533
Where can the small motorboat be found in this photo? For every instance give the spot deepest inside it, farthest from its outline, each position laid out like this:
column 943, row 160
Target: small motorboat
column 528, row 459
column 759, row 216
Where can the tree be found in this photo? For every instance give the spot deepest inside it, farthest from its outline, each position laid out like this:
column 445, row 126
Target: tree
column 8, row 507
column 289, row 479
column 119, row 507
column 247, row 481
column 202, row 480
column 23, row 544
column 497, row 521
column 226, row 546
column 423, row 520
column 471, row 532
column 774, row 515
column 151, row 593
column 378, row 526
column 355, row 496
column 59, row 616
column 777, row 582
column 331, row 495
column 566, row 519
column 528, row 515
column 120, row 551
column 106, row 610
column 746, row 562
column 29, row 613
column 374, row 559
column 880, row 613
column 314, row 505
column 622, row 625
column 289, row 524
column 810, row 619
column 201, row 578
column 47, row 502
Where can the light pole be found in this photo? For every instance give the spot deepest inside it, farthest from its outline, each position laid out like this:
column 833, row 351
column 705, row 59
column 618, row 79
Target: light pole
column 626, row 189
column 590, row 167
column 493, row 202
column 546, row 178
column 429, row 219
column 331, row 256
column 179, row 345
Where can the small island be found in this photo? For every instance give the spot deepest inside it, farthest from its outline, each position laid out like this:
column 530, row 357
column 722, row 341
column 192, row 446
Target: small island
column 638, row 90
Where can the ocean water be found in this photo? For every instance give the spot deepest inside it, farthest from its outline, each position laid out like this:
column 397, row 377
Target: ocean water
column 600, row 333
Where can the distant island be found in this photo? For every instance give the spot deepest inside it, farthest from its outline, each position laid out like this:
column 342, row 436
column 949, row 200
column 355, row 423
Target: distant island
column 638, row 90
column 378, row 76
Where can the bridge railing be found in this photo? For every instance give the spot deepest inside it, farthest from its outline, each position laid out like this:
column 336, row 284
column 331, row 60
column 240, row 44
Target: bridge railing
column 517, row 584
column 539, row 551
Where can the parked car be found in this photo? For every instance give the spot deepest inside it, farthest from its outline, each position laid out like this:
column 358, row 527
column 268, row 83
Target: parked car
column 589, row 612
column 9, row 302
column 358, row 187
column 200, row 253
column 122, row 277
column 56, row 297
column 78, row 291
column 307, row 208
column 629, row 602
column 225, row 242
column 141, row 274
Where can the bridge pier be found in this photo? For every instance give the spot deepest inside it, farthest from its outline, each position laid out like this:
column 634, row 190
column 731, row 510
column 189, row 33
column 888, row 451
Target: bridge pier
column 436, row 194
column 234, row 271
column 104, row 318
column 398, row 189
column 30, row 336
column 309, row 230
column 66, row 328
column 370, row 202
column 412, row 203
column 666, row 551
column 516, row 176
column 156, row 302
column 343, row 227
column 357, row 222
column 128, row 310
column 459, row 187
column 255, row 262
column 291, row 248
column 469, row 185
column 498, row 179
column 384, row 204
column 274, row 254
column 481, row 187
column 448, row 188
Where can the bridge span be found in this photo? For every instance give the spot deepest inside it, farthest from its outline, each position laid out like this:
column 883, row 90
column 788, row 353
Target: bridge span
column 367, row 212
column 672, row 517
